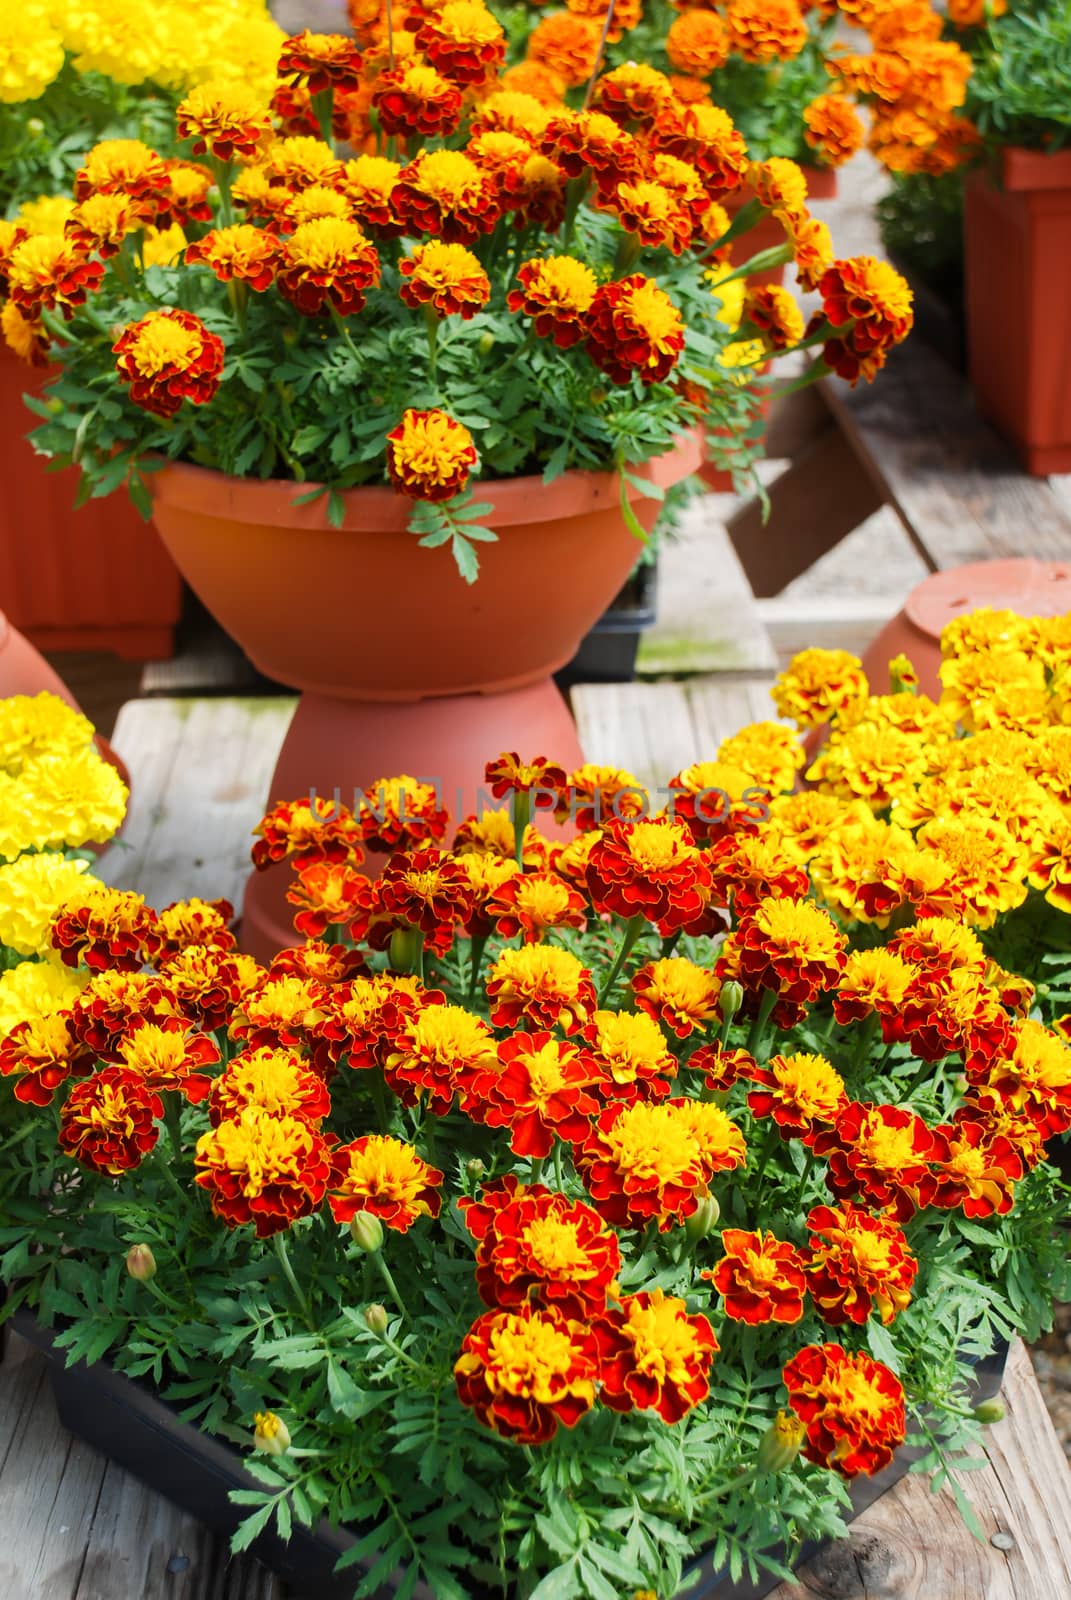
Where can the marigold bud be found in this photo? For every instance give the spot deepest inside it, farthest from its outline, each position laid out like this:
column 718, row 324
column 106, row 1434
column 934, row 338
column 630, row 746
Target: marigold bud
column 270, row 1434
column 487, row 343
column 780, row 1444
column 366, row 1231
column 376, row 1319
column 731, row 999
column 141, row 1263
column 989, row 1411
column 475, row 1170
column 704, row 1219
column 405, row 949
column 35, row 127
column 55, row 407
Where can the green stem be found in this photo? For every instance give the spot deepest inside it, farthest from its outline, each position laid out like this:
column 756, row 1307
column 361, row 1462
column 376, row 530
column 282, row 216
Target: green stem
column 476, row 949
column 431, row 324
column 559, row 1176
column 632, row 932
column 758, row 1027
column 536, row 1175
column 926, row 1070
column 279, row 1241
column 388, row 1278
column 522, row 811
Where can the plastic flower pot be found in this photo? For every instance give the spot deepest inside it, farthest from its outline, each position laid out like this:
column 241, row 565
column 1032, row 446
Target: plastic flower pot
column 403, row 667
column 93, row 579
column 1017, row 226
column 128, row 1422
column 608, row 650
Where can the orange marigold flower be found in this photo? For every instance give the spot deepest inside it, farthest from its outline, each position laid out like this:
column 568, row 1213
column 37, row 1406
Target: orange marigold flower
column 125, row 166
column 567, row 45
column 537, row 79
column 48, row 271
column 101, row 222
column 774, row 312
column 634, row 329
column 531, row 904
column 368, row 184
column 310, row 829
column 626, row 15
column 974, row 13
column 536, row 1247
column 653, row 1356
column 439, row 1052
column 320, row 61
column 108, row 1123
column 1034, row 1077
column 445, row 194
column 327, row 262
column 765, row 30
column 631, row 1052
column 330, row 893
column 522, row 1372
column 106, row 928
column 167, row 1055
column 588, row 142
column 283, row 1013
column 414, row 99
column 869, row 307
column 540, row 986
column 167, row 357
column 556, row 292
column 760, row 1278
column 881, row 75
column 651, row 868
column 277, row 1081
column 812, row 246
column 385, row 1177
column 779, row 185
column 263, row 1168
column 539, row 1092
column 851, row 1405
column 240, row 252
column 880, row 1152
column 817, row 684
column 430, row 456
column 689, row 91
column 858, row 1263
column 717, row 799
column 790, row 946
column 675, row 991
column 462, row 40
column 976, row 1168
column 903, row 20
column 698, row 43
column 633, row 93
column 800, row 1092
column 362, row 1020
column 445, row 276
column 224, row 119
column 41, row 1054
column 653, row 213
column 644, row 1162
column 422, row 888
column 832, row 128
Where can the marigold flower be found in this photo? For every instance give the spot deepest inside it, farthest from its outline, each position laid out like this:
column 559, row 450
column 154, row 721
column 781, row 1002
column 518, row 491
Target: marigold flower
column 539, row 1248
column 698, row 43
column 103, row 1012
column 108, row 1123
column 301, row 163
column 101, row 222
column 1035, row 1077
column 224, row 119
column 653, row 213
column 327, row 262
column 272, row 1080
column 401, row 811
column 263, row 1168
column 430, row 456
column 537, row 79
column 748, row 868
column 880, row 1152
column 675, row 991
column 282, row 1013
column 508, row 774
column 462, row 40
column 23, row 335
column 832, row 129
column 817, row 684
column 41, row 1053
column 540, row 1092
column 633, row 93
column 445, row 194
column 447, row 277
column 532, row 904
column 760, row 1278
column 522, row 1372
column 368, row 184
column 361, row 1021
column 650, row 867
column 124, row 166
column 310, row 829
column 641, row 1162
column 812, row 247
column 426, row 889
column 765, row 30
column 383, row 1176
column 35, row 989
column 167, row 1056
column 188, row 187
column 791, row 946
column 974, row 13
column 858, row 1263
column 630, row 1050
column 320, row 61
column 588, row 142
column 534, row 193
column 869, row 307
column 872, row 981
column 852, row 1406
column 556, row 292
column 511, row 111
column 103, row 927
column 540, row 986
column 976, row 1168
column 414, row 98
column 167, row 357
column 437, row 1053
column 240, row 252
column 721, row 1068
column 774, row 312
column 331, row 894
column 653, row 1356
column 634, row 328
column 568, row 45
column 592, row 793
column 800, row 1092
column 48, row 271
column 717, row 799
column 625, row 16
column 328, row 964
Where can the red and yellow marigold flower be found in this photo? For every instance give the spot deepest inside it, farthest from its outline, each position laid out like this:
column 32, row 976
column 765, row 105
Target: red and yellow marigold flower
column 541, row 1248
column 445, row 276
column 748, row 868
column 283, row 1013
column 633, row 93
column 790, row 946
column 881, row 1152
column 293, row 165
column 440, row 1051
column 774, row 312
column 426, row 889
column 168, row 1056
column 704, row 136
column 277, row 1081
column 108, row 1123
column 311, row 829
column 721, row 1068
column 630, row 1050
column 111, row 1001
column 188, row 187
column 812, row 248
column 675, row 991
column 402, row 812
column 540, row 1091
column 195, row 921
column 644, row 1162
column 12, row 235
column 507, row 774
column 414, row 99
column 50, row 272
column 101, row 222
column 224, row 119
column 241, row 253
column 41, row 1053
column 328, row 964
column 263, row 1168
column 698, row 43
column 486, row 875
column 368, row 183
column 586, row 143
column 167, row 357
column 533, row 903
column 592, row 792
column 207, row 983
column 124, row 166
column 540, row 986
column 634, row 329
column 327, row 262
column 511, row 111
column 760, row 1278
column 556, row 292
column 654, row 1356
column 800, row 1092
column 716, row 798
column 872, row 981
column 567, row 45
column 25, row 336
column 362, row 1020
column 522, row 1372
column 961, row 1015
column 462, row 40
column 858, row 1263
column 330, row 893
column 443, row 193
column 383, row 1176
column 765, row 30
column 430, row 456
column 1034, row 1077
column 818, row 684
column 320, row 61
column 106, row 928
column 851, row 1405
column 832, row 128
column 653, row 213
column 869, row 307
column 976, row 1168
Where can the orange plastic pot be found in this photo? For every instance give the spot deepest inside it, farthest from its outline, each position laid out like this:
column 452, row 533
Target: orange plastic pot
column 93, row 579
column 404, row 667
column 1018, row 294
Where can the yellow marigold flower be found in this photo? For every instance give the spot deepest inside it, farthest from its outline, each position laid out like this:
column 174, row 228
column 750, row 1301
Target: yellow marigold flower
column 803, row 823
column 872, row 980
column 224, row 119
column 512, row 111
column 879, row 765
column 36, row 989
column 162, row 247
column 37, row 725
column 853, row 868
column 975, row 686
column 779, row 184
column 492, row 834
column 987, row 866
column 315, row 202
column 447, row 277
column 270, row 1434
column 300, row 162
column 817, row 685
column 61, row 801
column 768, row 752
column 766, row 30
column 430, row 456
column 47, row 214
column 914, row 714
column 31, row 891
column 31, row 53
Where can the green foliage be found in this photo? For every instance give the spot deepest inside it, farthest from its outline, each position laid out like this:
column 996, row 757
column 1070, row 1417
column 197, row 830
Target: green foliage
column 1018, row 92
column 921, row 220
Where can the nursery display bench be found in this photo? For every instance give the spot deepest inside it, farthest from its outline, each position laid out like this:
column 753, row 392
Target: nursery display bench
column 75, row 1527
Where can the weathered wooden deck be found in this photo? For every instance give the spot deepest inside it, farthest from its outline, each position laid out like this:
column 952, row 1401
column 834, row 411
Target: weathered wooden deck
column 75, row 1527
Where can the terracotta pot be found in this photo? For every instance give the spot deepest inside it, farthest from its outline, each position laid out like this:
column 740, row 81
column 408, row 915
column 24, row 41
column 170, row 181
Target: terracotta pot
column 404, row 666
column 1018, row 294
column 93, row 579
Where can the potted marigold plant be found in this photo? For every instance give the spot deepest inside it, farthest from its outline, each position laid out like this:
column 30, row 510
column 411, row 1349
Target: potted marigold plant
column 526, row 1232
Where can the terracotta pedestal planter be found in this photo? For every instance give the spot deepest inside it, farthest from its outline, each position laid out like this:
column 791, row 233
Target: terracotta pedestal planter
column 1018, row 291
column 403, row 666
column 93, row 579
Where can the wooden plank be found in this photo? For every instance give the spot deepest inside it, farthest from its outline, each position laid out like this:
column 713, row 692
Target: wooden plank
column 200, row 776
column 911, row 1545
column 721, row 708
column 953, row 482
column 816, row 502
column 644, row 727
column 836, row 622
column 795, row 421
